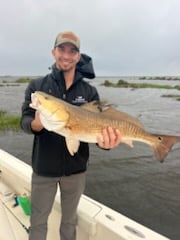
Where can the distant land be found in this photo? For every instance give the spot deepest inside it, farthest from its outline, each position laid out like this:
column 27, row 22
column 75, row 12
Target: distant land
column 148, row 77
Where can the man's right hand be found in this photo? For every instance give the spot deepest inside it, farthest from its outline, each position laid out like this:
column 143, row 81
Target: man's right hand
column 36, row 124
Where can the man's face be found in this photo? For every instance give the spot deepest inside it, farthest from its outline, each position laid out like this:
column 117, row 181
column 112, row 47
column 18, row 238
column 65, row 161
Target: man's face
column 66, row 56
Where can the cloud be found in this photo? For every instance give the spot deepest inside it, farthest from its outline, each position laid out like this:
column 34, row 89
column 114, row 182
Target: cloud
column 123, row 37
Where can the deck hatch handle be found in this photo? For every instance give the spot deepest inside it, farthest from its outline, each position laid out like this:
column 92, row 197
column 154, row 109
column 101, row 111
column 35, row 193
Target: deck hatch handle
column 134, row 231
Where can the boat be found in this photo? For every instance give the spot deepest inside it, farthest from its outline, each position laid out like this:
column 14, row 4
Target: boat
column 95, row 220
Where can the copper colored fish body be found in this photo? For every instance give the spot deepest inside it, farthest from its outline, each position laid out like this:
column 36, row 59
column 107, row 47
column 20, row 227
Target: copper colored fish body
column 85, row 123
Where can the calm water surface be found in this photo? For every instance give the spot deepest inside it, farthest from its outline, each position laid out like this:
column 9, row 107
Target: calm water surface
column 130, row 181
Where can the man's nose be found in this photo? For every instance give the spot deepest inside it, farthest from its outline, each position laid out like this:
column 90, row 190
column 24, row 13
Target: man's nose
column 66, row 54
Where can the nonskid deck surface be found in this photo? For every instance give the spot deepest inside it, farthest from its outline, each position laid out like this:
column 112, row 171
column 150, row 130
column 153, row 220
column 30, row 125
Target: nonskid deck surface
column 95, row 221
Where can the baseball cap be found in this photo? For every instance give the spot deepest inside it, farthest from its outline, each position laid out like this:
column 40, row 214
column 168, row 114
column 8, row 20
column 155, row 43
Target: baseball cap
column 67, row 37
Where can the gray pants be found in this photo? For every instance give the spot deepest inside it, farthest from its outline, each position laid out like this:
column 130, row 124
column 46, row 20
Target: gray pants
column 43, row 193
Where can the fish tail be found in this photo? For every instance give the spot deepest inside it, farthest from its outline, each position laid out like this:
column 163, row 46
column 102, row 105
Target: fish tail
column 164, row 145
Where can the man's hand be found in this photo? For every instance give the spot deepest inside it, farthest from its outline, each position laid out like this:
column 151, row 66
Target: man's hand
column 36, row 124
column 111, row 138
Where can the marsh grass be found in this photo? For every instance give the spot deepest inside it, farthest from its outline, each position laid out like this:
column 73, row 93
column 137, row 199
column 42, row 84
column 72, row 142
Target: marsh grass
column 174, row 96
column 23, row 80
column 125, row 84
column 9, row 122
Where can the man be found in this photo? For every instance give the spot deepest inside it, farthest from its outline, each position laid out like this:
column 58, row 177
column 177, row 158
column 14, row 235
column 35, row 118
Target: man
column 51, row 162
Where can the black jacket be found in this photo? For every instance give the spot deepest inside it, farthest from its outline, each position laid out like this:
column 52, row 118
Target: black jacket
column 50, row 156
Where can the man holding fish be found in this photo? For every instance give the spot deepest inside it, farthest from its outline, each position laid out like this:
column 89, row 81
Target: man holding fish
column 52, row 162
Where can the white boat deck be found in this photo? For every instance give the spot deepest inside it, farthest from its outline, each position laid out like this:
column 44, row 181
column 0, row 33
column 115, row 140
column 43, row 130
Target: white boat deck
column 95, row 221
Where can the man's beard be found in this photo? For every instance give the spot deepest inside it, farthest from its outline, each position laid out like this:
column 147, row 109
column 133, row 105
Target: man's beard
column 66, row 68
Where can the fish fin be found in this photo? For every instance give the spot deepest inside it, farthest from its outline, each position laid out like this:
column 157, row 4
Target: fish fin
column 165, row 143
column 111, row 112
column 96, row 106
column 72, row 145
column 128, row 142
column 91, row 106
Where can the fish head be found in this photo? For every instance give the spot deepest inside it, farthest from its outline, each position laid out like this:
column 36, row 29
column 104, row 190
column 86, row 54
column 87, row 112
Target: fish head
column 49, row 106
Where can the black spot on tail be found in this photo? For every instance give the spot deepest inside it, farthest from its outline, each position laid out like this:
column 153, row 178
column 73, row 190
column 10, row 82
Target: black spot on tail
column 163, row 145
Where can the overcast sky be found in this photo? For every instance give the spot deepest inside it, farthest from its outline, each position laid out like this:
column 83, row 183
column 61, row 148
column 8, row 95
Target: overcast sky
column 124, row 37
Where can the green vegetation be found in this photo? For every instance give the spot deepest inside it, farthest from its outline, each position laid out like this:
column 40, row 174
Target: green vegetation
column 9, row 122
column 125, row 84
column 160, row 78
column 16, row 83
column 23, row 80
column 176, row 97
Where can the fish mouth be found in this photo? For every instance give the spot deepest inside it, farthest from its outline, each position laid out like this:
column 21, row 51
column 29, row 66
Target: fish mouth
column 35, row 102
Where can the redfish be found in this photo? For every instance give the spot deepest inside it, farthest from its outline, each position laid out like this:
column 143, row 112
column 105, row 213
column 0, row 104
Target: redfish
column 86, row 122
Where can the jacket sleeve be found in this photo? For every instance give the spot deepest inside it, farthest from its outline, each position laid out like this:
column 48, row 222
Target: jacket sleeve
column 27, row 113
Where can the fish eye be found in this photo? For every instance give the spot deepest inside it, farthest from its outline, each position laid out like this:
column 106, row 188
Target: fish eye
column 160, row 138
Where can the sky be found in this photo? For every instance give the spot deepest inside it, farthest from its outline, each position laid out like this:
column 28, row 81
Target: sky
column 123, row 37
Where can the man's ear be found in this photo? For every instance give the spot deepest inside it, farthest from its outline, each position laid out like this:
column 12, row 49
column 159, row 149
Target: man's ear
column 53, row 52
column 79, row 57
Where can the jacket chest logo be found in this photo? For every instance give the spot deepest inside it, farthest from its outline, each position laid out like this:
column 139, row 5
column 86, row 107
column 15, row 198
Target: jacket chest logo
column 79, row 100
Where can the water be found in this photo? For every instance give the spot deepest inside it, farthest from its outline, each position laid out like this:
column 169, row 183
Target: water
column 130, row 181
